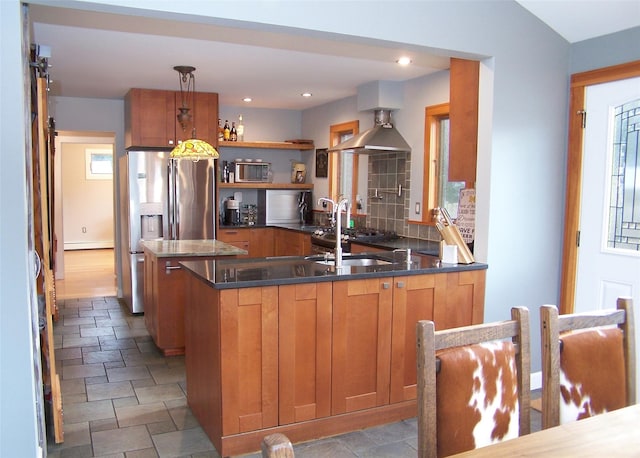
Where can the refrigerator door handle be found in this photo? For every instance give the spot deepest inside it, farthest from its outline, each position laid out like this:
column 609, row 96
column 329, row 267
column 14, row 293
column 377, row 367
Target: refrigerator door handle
column 172, row 200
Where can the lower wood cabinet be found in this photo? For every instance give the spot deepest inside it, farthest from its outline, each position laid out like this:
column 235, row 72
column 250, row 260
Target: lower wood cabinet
column 291, row 243
column 304, row 332
column 164, row 301
column 362, row 312
column 313, row 359
column 263, row 242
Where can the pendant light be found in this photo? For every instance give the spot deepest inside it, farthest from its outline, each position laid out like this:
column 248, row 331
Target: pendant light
column 192, row 148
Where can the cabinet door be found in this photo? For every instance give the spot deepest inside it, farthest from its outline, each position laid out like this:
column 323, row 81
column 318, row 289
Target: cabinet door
column 305, row 352
column 361, row 344
column 357, row 248
column 291, row 243
column 237, row 237
column 205, row 115
column 463, row 119
column 413, row 300
column 168, row 304
column 262, row 242
column 459, row 299
column 150, row 295
column 150, row 118
column 249, row 345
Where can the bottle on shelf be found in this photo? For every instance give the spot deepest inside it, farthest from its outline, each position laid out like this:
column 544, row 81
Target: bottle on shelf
column 240, row 129
column 227, row 130
column 225, row 172
column 233, row 136
column 220, row 130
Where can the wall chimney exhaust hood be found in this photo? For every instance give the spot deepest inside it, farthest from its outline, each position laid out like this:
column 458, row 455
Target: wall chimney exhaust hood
column 382, row 138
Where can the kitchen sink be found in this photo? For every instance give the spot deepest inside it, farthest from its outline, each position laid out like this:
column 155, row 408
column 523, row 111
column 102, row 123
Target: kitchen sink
column 353, row 261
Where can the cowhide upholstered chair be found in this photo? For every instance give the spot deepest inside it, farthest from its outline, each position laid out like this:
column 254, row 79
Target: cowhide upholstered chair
column 473, row 384
column 588, row 362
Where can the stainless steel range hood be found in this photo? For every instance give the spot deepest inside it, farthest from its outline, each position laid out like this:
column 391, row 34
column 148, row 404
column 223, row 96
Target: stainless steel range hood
column 382, row 138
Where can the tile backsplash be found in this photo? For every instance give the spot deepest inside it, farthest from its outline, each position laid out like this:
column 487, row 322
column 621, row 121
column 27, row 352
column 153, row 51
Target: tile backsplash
column 387, row 208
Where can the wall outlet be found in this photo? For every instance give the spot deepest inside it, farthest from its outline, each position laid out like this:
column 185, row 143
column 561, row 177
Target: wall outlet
column 417, row 208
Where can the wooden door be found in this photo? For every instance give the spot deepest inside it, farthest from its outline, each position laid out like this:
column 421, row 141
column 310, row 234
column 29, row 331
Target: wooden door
column 43, row 223
column 150, row 118
column 150, row 295
column 413, row 300
column 305, row 351
column 237, row 237
column 459, row 299
column 249, row 363
column 361, row 350
column 262, row 242
column 205, row 116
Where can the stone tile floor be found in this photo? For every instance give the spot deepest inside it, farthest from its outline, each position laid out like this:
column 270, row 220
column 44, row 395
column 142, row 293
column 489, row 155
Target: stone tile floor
column 123, row 398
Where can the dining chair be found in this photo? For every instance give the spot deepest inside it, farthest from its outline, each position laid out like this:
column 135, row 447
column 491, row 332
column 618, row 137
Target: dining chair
column 588, row 362
column 473, row 384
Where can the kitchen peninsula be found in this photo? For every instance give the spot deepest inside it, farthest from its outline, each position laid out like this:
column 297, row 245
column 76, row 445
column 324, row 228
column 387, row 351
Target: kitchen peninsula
column 164, row 286
column 289, row 345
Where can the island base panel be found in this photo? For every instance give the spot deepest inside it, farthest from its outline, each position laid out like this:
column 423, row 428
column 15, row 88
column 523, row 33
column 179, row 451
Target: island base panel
column 249, row 442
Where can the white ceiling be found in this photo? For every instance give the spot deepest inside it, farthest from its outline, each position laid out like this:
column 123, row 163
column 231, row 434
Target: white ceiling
column 99, row 55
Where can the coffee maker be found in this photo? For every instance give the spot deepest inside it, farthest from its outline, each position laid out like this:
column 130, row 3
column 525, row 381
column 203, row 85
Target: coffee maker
column 232, row 212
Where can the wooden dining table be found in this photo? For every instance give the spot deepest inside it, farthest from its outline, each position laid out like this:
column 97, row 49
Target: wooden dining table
column 612, row 434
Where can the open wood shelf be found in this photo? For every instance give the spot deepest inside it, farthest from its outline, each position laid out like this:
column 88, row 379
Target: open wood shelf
column 268, row 145
column 266, row 185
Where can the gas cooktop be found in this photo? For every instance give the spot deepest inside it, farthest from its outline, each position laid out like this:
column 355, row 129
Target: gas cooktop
column 360, row 234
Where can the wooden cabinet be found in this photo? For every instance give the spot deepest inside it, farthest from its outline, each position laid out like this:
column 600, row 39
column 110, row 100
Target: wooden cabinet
column 449, row 299
column 151, row 118
column 313, row 359
column 164, row 301
column 361, row 353
column 291, row 243
column 240, row 238
column 304, row 352
column 358, row 248
column 249, row 343
column 262, row 244
column 463, row 119
column 257, row 241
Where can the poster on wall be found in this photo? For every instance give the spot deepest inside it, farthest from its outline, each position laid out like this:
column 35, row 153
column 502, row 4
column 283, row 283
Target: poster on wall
column 467, row 214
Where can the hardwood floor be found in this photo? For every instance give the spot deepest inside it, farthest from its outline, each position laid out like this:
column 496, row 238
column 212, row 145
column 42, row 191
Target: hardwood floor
column 87, row 273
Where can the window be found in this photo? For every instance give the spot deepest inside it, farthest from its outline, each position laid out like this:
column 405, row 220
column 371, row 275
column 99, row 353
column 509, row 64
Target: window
column 624, row 207
column 98, row 164
column 343, row 168
column 438, row 190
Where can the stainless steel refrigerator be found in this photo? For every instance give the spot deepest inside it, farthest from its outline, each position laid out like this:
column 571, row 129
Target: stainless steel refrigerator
column 161, row 198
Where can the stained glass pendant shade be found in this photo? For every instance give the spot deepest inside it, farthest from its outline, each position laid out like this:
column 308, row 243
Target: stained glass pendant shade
column 194, row 149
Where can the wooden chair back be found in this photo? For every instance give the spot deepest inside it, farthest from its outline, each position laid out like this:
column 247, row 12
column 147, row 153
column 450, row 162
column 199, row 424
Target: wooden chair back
column 553, row 325
column 276, row 445
column 430, row 341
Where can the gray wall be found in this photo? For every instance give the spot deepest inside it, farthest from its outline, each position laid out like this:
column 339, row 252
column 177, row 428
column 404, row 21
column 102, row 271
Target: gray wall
column 18, row 354
column 521, row 158
column 605, row 51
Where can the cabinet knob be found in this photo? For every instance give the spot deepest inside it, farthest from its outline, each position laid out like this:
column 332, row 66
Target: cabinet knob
column 171, row 142
column 385, row 285
column 400, row 284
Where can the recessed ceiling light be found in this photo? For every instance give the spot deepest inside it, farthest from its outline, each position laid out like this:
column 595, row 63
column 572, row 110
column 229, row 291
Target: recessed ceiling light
column 247, row 99
column 306, row 94
column 403, row 61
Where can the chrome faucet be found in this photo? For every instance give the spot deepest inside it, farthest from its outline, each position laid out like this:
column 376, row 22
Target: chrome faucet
column 336, row 210
column 408, row 250
column 343, row 204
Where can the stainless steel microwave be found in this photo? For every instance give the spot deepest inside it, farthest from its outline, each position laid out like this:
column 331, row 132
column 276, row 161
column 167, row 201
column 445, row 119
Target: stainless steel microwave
column 251, row 172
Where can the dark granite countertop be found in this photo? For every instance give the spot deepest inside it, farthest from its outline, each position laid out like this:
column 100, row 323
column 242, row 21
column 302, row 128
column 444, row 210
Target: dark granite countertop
column 286, row 270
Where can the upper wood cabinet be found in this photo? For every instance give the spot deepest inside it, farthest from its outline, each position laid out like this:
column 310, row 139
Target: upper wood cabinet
column 151, row 118
column 463, row 119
